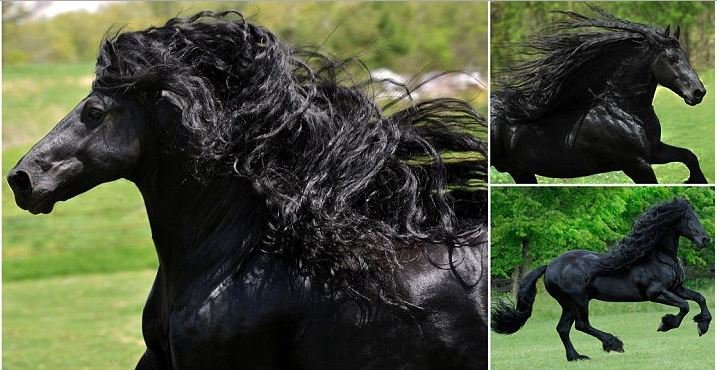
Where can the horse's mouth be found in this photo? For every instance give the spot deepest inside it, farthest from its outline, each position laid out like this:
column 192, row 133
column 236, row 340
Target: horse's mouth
column 44, row 205
column 38, row 202
column 692, row 101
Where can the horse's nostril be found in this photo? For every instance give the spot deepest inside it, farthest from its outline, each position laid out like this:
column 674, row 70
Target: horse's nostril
column 20, row 181
column 698, row 93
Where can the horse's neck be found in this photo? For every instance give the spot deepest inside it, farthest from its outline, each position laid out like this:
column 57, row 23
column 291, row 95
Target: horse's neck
column 625, row 78
column 199, row 230
column 667, row 246
column 632, row 84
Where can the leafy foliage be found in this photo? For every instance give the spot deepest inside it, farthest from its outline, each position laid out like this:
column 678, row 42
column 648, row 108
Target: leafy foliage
column 510, row 21
column 407, row 37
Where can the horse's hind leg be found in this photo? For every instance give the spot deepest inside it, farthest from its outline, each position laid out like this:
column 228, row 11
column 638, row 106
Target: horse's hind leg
column 702, row 319
column 666, row 153
column 582, row 323
column 563, row 328
column 523, row 177
column 670, row 321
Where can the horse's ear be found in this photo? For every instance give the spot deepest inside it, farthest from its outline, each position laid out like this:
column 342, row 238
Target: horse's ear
column 677, row 33
column 667, row 31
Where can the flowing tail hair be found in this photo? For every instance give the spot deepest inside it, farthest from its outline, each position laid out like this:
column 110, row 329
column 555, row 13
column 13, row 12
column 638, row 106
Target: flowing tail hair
column 507, row 320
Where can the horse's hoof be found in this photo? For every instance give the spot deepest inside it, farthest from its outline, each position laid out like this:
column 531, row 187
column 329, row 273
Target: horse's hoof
column 703, row 323
column 703, row 327
column 613, row 344
column 668, row 322
column 579, row 358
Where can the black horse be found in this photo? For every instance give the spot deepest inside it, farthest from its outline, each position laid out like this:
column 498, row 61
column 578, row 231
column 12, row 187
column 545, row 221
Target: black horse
column 297, row 226
column 643, row 267
column 583, row 105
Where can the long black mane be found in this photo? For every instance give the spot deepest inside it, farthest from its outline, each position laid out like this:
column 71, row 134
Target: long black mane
column 648, row 230
column 566, row 63
column 345, row 185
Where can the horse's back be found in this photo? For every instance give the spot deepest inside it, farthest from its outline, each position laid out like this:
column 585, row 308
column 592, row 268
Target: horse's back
column 568, row 273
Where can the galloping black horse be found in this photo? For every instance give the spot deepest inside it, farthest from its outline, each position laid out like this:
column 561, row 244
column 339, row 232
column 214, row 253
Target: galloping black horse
column 297, row 226
column 643, row 267
column 584, row 104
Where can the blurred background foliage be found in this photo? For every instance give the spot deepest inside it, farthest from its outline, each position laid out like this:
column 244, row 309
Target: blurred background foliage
column 531, row 226
column 510, row 21
column 409, row 37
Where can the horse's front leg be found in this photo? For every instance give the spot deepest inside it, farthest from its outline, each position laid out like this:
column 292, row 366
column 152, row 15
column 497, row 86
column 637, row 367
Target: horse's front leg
column 640, row 172
column 704, row 318
column 151, row 361
column 666, row 297
column 665, row 153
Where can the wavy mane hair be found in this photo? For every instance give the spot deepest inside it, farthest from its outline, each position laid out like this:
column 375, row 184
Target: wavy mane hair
column 345, row 185
column 649, row 229
column 575, row 47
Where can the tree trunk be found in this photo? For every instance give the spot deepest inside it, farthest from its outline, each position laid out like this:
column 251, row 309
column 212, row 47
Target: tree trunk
column 516, row 281
column 522, row 269
column 527, row 260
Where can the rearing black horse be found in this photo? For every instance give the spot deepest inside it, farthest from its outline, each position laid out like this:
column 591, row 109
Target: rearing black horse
column 297, row 226
column 643, row 267
column 583, row 105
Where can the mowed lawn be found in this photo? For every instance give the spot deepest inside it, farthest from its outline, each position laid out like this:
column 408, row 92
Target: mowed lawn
column 682, row 125
column 75, row 322
column 74, row 281
column 537, row 345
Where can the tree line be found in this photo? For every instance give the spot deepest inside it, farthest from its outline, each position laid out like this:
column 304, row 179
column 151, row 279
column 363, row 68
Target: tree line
column 532, row 226
column 410, row 37
column 511, row 21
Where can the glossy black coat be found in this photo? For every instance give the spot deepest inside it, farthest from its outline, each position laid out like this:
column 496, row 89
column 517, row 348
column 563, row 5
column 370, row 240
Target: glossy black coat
column 602, row 119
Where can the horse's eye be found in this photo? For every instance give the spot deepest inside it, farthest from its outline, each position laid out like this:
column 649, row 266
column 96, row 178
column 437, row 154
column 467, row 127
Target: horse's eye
column 674, row 60
column 95, row 113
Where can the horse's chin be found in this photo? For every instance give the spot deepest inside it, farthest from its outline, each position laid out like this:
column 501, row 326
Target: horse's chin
column 42, row 205
column 692, row 101
column 42, row 201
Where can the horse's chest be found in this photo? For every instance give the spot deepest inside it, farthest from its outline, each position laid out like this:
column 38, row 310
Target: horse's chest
column 235, row 325
column 675, row 273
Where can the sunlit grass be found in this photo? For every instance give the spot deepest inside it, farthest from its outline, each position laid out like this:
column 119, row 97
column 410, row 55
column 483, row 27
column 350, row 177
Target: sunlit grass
column 537, row 345
column 77, row 322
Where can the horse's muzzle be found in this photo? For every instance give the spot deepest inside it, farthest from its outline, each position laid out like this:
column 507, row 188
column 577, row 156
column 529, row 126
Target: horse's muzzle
column 33, row 200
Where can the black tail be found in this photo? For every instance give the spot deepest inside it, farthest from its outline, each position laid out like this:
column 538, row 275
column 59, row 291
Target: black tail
column 507, row 320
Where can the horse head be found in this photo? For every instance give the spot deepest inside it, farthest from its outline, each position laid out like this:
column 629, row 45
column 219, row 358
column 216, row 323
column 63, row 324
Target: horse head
column 671, row 68
column 691, row 228
column 100, row 140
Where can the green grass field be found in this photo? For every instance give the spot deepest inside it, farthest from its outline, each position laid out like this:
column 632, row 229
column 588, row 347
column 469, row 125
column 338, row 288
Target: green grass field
column 537, row 345
column 75, row 322
column 682, row 125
